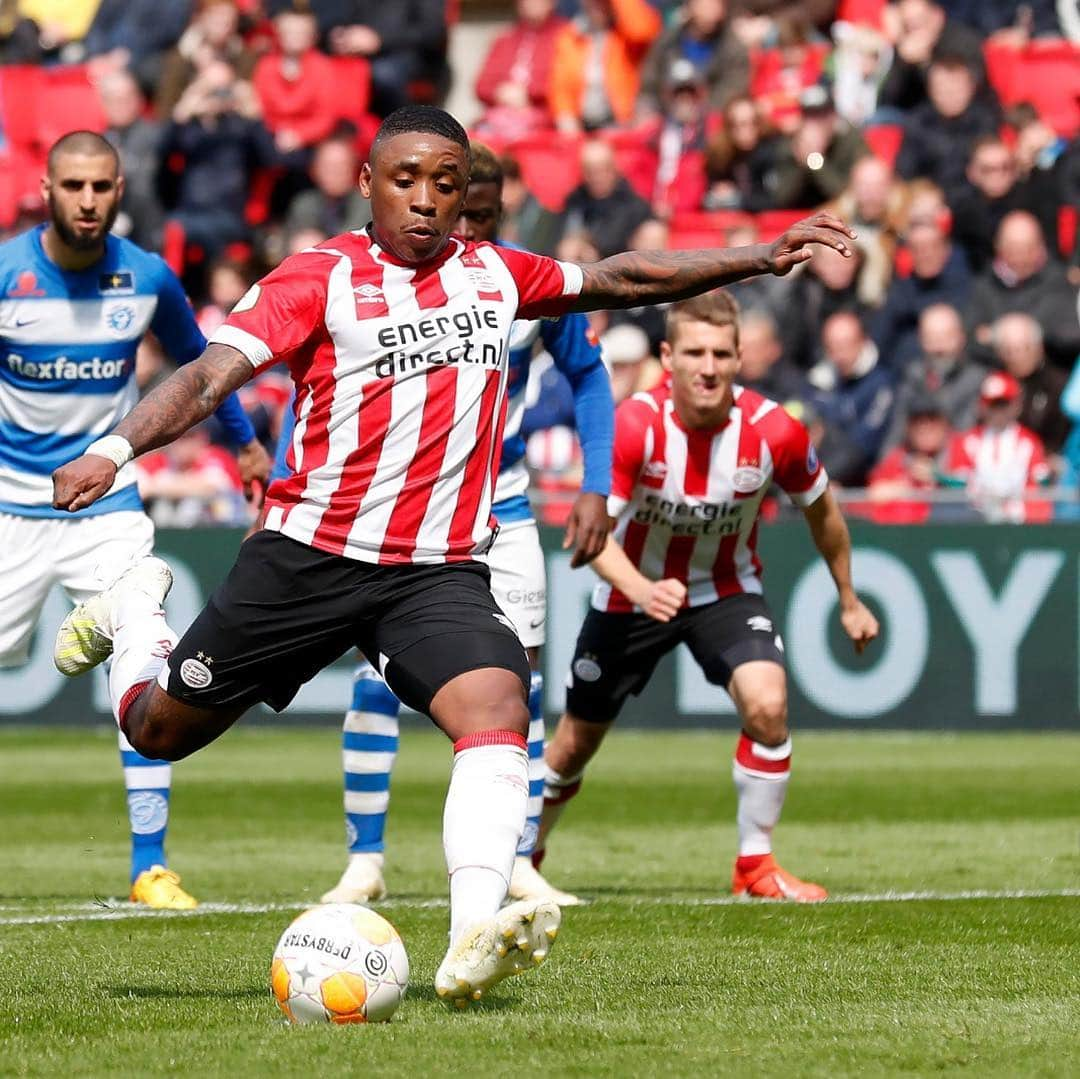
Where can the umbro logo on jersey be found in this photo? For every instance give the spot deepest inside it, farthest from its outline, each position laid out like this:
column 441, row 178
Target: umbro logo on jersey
column 369, row 293
column 655, row 470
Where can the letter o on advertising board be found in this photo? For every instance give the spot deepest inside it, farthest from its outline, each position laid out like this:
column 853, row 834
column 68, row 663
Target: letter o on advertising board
column 895, row 663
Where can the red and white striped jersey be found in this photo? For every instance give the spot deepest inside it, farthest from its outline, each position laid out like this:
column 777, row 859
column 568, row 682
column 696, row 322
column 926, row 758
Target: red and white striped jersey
column 400, row 376
column 999, row 467
column 687, row 501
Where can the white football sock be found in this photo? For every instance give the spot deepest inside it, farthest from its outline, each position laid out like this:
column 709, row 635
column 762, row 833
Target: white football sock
column 761, row 776
column 483, row 820
column 142, row 643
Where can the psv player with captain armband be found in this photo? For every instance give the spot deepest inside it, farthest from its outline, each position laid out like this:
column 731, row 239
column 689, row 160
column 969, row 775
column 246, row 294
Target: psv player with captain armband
column 693, row 461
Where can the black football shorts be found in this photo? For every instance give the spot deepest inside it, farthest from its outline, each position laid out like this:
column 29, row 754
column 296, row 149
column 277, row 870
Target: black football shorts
column 287, row 610
column 617, row 653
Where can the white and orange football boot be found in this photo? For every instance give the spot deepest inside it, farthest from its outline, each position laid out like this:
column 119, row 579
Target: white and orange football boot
column 759, row 877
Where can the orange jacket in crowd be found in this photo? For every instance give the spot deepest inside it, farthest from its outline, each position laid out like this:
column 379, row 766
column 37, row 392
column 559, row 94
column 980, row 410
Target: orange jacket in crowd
column 634, row 25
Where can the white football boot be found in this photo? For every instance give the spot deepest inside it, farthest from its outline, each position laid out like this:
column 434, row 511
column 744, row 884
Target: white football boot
column 526, row 882
column 84, row 638
column 362, row 882
column 517, row 939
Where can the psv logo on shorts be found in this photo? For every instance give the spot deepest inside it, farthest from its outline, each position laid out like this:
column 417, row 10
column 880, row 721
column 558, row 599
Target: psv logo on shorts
column 195, row 674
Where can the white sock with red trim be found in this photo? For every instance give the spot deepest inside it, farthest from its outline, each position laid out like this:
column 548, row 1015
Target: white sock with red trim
column 142, row 642
column 483, row 819
column 761, row 776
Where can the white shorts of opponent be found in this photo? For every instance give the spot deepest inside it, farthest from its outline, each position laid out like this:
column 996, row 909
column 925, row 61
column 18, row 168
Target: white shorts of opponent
column 519, row 579
column 82, row 554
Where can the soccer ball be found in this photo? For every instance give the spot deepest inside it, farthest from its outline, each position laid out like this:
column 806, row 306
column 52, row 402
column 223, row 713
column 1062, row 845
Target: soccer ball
column 339, row 963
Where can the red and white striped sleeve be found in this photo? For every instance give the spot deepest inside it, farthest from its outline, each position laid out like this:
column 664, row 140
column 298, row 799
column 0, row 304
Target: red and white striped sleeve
column 796, row 468
column 546, row 286
column 278, row 314
column 634, row 420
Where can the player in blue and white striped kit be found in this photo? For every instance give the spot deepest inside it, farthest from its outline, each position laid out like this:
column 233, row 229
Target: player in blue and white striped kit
column 74, row 304
column 516, row 561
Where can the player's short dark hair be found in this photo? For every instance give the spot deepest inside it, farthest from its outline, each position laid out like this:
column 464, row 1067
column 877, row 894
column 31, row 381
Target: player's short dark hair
column 486, row 167
column 82, row 142
column 718, row 308
column 422, row 119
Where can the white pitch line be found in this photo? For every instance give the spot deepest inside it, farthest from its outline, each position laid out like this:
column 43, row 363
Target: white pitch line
column 99, row 913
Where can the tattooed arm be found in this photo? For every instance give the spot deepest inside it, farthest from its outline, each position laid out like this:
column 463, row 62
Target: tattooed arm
column 184, row 399
column 637, row 278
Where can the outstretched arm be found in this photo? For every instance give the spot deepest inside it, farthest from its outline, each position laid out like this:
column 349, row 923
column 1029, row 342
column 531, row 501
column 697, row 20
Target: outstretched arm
column 833, row 541
column 184, row 399
column 637, row 278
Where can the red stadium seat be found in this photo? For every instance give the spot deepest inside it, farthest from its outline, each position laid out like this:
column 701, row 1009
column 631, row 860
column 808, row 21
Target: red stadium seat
column 884, row 140
column 1066, row 229
column 38, row 105
column 1046, row 73
column 352, row 75
column 694, row 230
column 771, row 223
column 550, row 166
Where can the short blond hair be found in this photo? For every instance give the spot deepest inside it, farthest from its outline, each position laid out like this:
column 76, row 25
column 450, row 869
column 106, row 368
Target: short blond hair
column 718, row 308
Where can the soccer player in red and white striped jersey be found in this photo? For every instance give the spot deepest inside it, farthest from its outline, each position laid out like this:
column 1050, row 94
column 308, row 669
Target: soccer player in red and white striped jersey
column 396, row 337
column 693, row 461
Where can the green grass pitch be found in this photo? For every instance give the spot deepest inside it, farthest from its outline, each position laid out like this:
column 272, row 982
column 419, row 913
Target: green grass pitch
column 650, row 978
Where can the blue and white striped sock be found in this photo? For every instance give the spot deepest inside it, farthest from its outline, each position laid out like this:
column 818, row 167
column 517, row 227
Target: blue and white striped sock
column 369, row 746
column 536, row 766
column 147, row 783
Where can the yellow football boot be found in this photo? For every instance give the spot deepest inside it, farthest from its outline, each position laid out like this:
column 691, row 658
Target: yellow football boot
column 159, row 887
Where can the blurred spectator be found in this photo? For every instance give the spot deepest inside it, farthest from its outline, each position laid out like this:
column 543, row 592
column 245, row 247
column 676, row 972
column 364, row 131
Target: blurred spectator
column 739, row 159
column 216, row 134
column 992, row 191
column 227, row 282
column 940, row 132
column 859, row 64
column 702, row 36
column 758, row 22
column 943, row 373
column 603, row 204
column 789, row 65
column 404, row 41
column 302, row 239
column 1018, row 347
column 874, row 203
column 939, row 274
column 851, row 390
column 1024, row 278
column 827, row 285
column 213, row 34
column 999, row 460
column 525, row 221
column 139, row 142
column 191, row 482
column 840, row 454
column 1009, row 22
column 677, row 140
column 135, row 34
column 814, row 164
column 650, row 235
column 335, row 204
column 62, row 26
column 913, row 464
column 629, row 360
column 19, row 37
column 595, row 78
column 921, row 29
column 297, row 86
column 763, row 367
column 515, row 80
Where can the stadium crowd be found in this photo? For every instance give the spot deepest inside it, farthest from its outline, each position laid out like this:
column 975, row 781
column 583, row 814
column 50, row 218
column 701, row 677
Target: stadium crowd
column 943, row 356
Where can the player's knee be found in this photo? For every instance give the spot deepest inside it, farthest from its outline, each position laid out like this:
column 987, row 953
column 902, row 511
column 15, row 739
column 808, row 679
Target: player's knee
column 155, row 741
column 765, row 717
